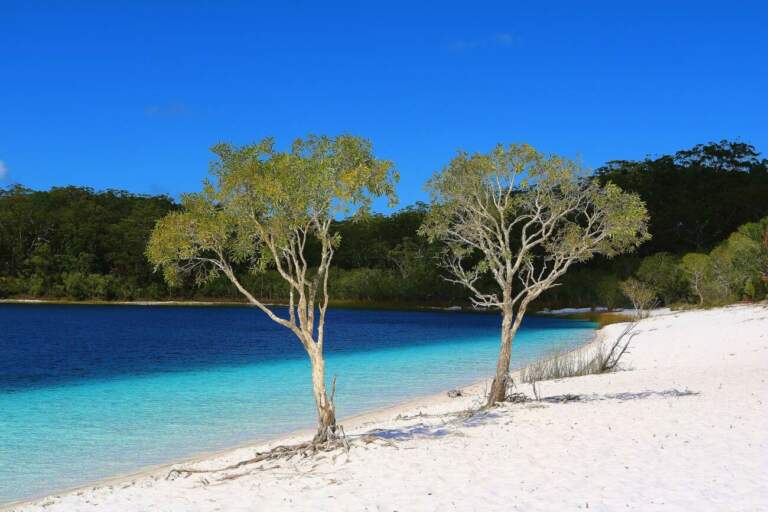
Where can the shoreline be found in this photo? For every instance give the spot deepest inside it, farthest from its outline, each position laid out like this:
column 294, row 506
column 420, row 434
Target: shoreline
column 567, row 313
column 351, row 422
column 260, row 444
column 334, row 304
column 673, row 429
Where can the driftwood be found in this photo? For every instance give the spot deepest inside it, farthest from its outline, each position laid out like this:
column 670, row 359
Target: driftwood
column 517, row 398
column 561, row 399
column 455, row 393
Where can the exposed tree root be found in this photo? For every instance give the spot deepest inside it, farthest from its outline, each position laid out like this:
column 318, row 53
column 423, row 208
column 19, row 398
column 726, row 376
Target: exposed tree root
column 328, row 440
column 329, row 437
column 282, row 452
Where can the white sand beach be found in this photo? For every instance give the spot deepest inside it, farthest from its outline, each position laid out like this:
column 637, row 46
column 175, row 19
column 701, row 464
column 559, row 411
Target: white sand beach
column 683, row 426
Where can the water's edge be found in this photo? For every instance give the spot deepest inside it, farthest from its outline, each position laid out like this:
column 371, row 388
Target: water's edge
column 285, row 437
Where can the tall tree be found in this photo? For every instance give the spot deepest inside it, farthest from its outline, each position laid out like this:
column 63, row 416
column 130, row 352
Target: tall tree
column 263, row 209
column 694, row 266
column 523, row 219
column 695, row 197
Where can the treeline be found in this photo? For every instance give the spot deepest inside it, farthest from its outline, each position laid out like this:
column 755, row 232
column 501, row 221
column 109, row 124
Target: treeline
column 72, row 242
column 381, row 259
column 735, row 269
column 76, row 243
column 705, row 204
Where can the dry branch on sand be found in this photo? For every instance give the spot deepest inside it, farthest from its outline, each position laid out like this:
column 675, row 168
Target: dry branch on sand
column 282, row 452
column 340, row 443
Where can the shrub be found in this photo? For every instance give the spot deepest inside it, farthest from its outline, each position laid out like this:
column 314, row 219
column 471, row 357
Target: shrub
column 36, row 286
column 662, row 272
column 75, row 285
column 642, row 296
column 695, row 268
column 608, row 291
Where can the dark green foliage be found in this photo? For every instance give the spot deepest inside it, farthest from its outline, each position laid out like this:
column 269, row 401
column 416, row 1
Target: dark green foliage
column 735, row 269
column 381, row 241
column 663, row 273
column 732, row 271
column 76, row 243
column 696, row 197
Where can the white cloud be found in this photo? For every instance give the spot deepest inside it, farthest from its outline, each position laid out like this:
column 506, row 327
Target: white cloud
column 503, row 39
column 3, row 170
column 499, row 40
column 167, row 110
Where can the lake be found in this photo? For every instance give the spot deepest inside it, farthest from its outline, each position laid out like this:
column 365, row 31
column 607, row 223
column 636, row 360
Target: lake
column 111, row 389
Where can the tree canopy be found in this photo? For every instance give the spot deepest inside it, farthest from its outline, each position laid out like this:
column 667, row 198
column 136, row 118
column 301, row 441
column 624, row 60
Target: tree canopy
column 530, row 216
column 263, row 203
column 697, row 196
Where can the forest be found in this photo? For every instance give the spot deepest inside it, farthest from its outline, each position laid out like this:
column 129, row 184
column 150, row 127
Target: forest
column 708, row 209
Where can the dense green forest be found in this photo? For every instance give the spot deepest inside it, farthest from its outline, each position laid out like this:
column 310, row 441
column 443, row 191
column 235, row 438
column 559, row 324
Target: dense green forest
column 707, row 204
column 709, row 227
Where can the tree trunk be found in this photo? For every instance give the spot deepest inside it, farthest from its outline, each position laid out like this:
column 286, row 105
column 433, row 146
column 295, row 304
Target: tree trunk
column 501, row 380
column 326, row 411
column 697, row 282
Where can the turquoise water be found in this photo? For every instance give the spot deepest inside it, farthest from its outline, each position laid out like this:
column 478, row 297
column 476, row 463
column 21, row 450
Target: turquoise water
column 90, row 392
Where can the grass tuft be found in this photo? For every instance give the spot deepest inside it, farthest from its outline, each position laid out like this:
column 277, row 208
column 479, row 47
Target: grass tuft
column 594, row 358
column 562, row 363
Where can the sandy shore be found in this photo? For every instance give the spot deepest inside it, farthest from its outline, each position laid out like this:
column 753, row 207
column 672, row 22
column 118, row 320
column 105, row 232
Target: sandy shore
column 683, row 426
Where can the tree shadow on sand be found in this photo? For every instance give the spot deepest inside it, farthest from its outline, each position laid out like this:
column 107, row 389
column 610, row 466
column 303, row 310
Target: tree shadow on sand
column 479, row 417
column 668, row 393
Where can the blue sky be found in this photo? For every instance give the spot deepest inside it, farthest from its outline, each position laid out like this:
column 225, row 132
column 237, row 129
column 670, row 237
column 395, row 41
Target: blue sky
column 131, row 95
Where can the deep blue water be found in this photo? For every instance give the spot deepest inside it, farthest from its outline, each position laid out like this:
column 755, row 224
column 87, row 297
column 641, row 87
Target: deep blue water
column 110, row 389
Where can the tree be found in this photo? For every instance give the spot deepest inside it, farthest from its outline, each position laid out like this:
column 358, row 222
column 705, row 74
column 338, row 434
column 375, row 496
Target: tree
column 406, row 256
column 642, row 296
column 695, row 197
column 263, row 209
column 754, row 255
column 521, row 219
column 695, row 267
column 607, row 290
column 722, row 278
column 736, row 266
column 662, row 271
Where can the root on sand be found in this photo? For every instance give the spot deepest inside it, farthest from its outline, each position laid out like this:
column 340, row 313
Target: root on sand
column 329, row 442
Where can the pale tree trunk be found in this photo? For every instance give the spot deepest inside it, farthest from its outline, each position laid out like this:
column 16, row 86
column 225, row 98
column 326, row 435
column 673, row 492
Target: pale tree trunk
column 326, row 413
column 700, row 294
column 499, row 385
column 326, row 410
column 697, row 284
column 509, row 325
